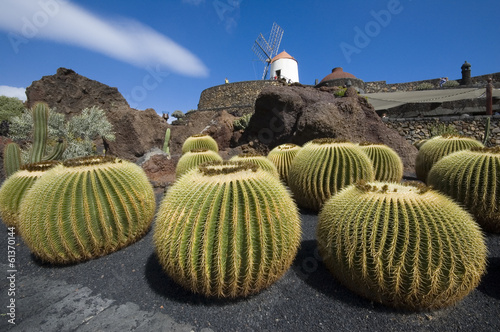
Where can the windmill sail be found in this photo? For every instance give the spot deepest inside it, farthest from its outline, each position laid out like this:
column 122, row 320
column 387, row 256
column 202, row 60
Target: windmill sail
column 266, row 50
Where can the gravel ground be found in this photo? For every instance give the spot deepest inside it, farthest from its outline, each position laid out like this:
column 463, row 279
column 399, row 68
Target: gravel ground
column 127, row 291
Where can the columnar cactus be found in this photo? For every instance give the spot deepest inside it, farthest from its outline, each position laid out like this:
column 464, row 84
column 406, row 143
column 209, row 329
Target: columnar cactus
column 401, row 245
column 166, row 142
column 12, row 158
column 324, row 166
column 438, row 147
column 85, row 208
column 387, row 164
column 227, row 229
column 266, row 164
column 15, row 187
column 282, row 157
column 472, row 178
column 193, row 158
column 200, row 142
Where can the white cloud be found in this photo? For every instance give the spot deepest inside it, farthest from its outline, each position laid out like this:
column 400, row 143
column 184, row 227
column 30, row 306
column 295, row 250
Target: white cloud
column 11, row 91
column 126, row 40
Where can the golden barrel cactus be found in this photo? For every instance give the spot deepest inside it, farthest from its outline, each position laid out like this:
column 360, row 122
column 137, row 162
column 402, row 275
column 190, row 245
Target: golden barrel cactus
column 15, row 187
column 324, row 166
column 193, row 158
column 199, row 142
column 472, row 177
column 85, row 208
column 387, row 164
column 438, row 147
column 227, row 229
column 264, row 163
column 402, row 245
column 282, row 157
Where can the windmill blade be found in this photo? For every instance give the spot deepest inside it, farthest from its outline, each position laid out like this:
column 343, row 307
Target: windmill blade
column 275, row 40
column 261, row 49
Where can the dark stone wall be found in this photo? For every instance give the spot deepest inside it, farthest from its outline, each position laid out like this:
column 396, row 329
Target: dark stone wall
column 235, row 98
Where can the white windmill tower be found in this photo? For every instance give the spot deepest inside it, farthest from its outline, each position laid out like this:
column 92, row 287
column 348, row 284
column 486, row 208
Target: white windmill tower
column 283, row 65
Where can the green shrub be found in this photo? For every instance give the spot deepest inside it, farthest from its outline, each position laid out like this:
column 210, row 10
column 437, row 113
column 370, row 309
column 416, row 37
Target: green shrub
column 242, row 122
column 425, row 86
column 401, row 245
column 10, row 107
column 451, row 84
column 178, row 114
column 440, row 128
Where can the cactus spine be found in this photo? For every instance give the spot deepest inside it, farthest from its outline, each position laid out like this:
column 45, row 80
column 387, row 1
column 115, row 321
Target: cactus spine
column 258, row 159
column 12, row 158
column 85, row 208
column 282, row 157
column 15, row 187
column 438, row 147
column 473, row 179
column 227, row 229
column 387, row 164
column 324, row 166
column 401, row 245
column 199, row 142
column 193, row 158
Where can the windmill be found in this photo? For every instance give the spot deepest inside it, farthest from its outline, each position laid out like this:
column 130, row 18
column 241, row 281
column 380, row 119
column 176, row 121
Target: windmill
column 268, row 49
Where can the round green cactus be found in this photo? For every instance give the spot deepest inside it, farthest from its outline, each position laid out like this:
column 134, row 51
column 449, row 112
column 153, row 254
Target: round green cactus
column 438, row 147
column 227, row 229
column 15, row 187
column 282, row 157
column 193, row 158
column 472, row 177
column 401, row 245
column 324, row 166
column 85, row 208
column 387, row 164
column 264, row 163
column 199, row 142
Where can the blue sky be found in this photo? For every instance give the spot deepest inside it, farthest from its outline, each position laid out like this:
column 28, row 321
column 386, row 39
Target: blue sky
column 163, row 54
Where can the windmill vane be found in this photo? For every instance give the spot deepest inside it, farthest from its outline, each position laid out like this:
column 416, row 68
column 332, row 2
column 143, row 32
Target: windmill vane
column 266, row 50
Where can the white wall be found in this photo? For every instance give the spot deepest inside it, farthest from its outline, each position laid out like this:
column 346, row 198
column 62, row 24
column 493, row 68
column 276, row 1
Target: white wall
column 289, row 69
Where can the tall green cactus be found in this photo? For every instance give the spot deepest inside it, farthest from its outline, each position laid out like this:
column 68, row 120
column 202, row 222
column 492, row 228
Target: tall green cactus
column 85, row 208
column 438, row 147
column 199, row 142
column 15, row 187
column 324, row 166
column 282, row 156
column 386, row 162
column 401, row 245
column 40, row 114
column 12, row 158
column 193, row 158
column 264, row 163
column 472, row 178
column 227, row 229
column 166, row 143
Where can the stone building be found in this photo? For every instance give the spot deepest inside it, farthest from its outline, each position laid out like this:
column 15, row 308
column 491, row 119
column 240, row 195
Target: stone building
column 338, row 77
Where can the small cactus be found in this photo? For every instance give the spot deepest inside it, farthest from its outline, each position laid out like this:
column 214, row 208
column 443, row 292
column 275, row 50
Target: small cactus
column 85, row 208
column 472, row 178
column 324, row 166
column 401, row 245
column 12, row 158
column 15, row 187
column 282, row 157
column 199, row 142
column 266, row 164
column 166, row 142
column 438, row 147
column 387, row 164
column 227, row 229
column 193, row 158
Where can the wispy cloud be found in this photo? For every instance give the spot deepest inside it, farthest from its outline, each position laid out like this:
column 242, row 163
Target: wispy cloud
column 11, row 91
column 126, row 40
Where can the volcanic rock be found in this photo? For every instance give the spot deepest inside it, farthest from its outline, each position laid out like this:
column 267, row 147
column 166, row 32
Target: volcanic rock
column 289, row 114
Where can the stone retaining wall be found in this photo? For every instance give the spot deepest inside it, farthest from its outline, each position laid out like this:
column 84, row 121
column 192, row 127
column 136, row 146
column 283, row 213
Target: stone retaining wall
column 236, row 98
column 416, row 129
